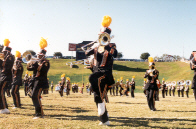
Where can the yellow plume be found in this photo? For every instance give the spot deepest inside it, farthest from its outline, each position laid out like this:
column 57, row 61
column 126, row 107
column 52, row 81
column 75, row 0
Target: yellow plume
column 144, row 79
column 51, row 81
column 63, row 75
column 26, row 72
column 118, row 80
column 59, row 81
column 150, row 59
column 106, row 21
column 163, row 79
column 43, row 43
column 29, row 74
column 133, row 76
column 121, row 78
column 6, row 42
column 18, row 54
column 127, row 80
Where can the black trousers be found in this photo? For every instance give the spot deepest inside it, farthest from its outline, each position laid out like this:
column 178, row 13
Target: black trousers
column 3, row 102
column 99, row 87
column 113, row 89
column 25, row 89
column 120, row 91
column 37, row 90
column 169, row 92
column 116, row 91
column 132, row 93
column 182, row 92
column 52, row 89
column 8, row 86
column 173, row 92
column 163, row 93
column 144, row 92
column 187, row 94
column 16, row 95
column 110, row 91
column 194, row 91
column 150, row 98
column 156, row 96
column 127, row 92
column 178, row 93
column 61, row 91
column 166, row 92
column 68, row 91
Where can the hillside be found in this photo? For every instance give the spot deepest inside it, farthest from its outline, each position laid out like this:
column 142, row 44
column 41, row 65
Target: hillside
column 171, row 71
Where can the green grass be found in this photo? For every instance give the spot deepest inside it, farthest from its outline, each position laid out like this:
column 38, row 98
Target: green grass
column 171, row 71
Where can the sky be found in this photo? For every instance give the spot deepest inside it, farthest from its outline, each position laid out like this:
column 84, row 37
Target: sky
column 154, row 26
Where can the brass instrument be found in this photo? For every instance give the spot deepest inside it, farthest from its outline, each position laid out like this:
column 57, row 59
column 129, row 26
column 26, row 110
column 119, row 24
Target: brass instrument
column 27, row 57
column 188, row 82
column 1, row 56
column 103, row 40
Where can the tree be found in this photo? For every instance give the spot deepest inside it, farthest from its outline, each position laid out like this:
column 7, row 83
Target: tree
column 144, row 56
column 59, row 54
column 119, row 55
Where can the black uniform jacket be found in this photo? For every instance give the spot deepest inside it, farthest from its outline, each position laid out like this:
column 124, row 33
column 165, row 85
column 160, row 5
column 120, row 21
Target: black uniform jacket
column 6, row 68
column 133, row 85
column 194, row 77
column 151, row 82
column 103, row 62
column 17, row 73
column 41, row 76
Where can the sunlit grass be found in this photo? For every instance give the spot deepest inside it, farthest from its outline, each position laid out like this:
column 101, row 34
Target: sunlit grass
column 79, row 111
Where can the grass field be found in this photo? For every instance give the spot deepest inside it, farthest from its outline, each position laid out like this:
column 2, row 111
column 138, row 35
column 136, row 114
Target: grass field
column 79, row 111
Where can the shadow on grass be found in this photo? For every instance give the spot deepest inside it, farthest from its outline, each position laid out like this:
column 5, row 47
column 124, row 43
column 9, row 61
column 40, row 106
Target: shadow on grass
column 128, row 103
column 125, row 121
column 125, row 68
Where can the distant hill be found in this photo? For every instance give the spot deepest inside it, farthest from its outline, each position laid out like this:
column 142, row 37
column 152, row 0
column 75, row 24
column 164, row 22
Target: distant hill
column 171, row 71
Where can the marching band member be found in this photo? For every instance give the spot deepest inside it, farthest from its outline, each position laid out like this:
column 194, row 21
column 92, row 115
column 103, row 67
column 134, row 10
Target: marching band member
column 52, row 86
column 87, row 87
column 62, row 84
column 169, row 88
column 163, row 87
column 166, row 88
column 17, row 79
column 68, row 85
column 152, row 75
column 121, row 86
column 26, row 83
column 182, row 88
column 102, row 77
column 187, row 88
column 41, row 82
column 113, row 87
column 127, row 88
column 173, row 88
column 178, row 88
column 145, row 81
column 6, row 75
column 157, row 91
column 117, row 85
column 132, row 87
column 192, row 66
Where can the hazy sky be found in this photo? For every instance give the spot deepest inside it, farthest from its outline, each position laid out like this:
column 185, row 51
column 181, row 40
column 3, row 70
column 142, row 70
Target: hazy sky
column 139, row 26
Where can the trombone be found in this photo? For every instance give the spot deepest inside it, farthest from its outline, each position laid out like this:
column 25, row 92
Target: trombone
column 103, row 40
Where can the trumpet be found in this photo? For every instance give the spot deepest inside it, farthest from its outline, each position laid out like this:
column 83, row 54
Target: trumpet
column 103, row 40
column 27, row 57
